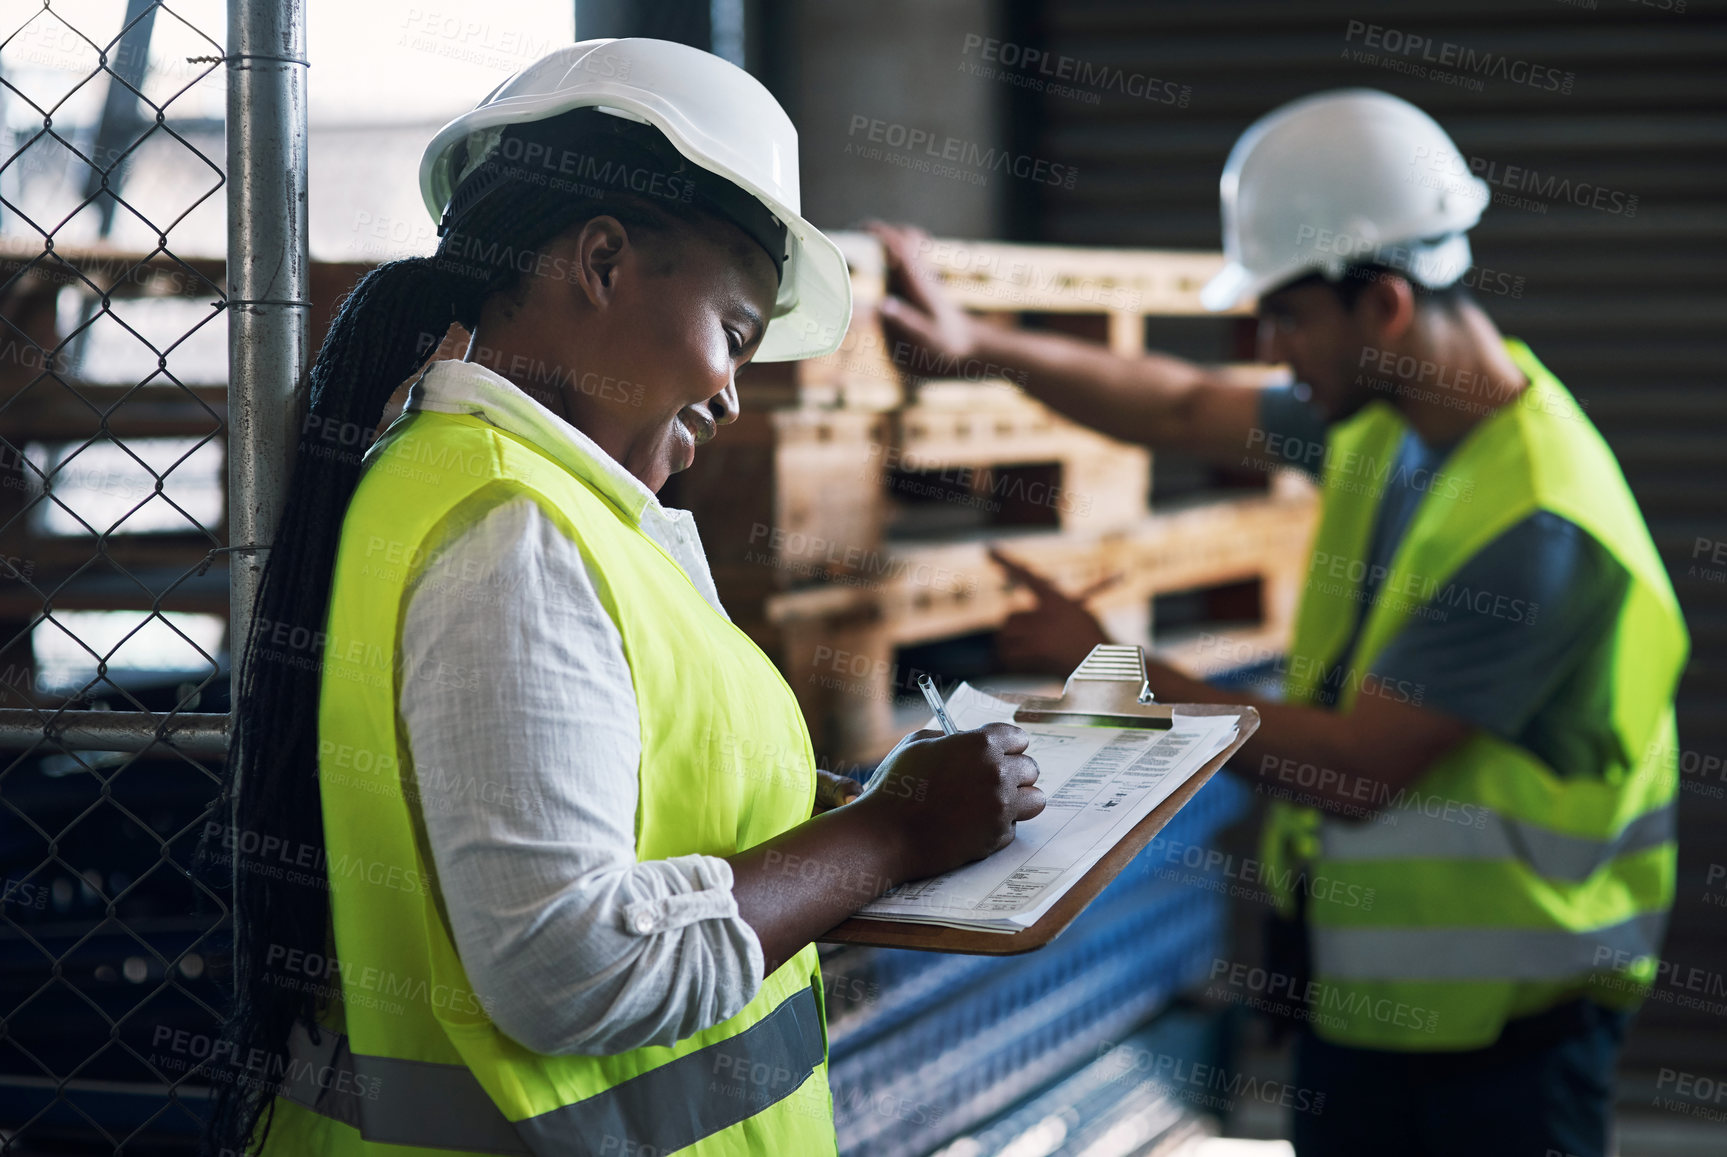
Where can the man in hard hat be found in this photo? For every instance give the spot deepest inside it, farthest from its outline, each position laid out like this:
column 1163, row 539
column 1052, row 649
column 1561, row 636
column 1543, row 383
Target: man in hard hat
column 1472, row 767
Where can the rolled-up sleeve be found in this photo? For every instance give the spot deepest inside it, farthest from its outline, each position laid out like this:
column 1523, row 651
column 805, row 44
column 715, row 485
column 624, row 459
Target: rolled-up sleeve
column 525, row 765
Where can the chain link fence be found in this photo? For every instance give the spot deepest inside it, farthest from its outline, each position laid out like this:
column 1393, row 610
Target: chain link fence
column 123, row 470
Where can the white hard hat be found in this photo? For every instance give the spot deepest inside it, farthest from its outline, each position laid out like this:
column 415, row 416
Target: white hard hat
column 1340, row 178
column 716, row 115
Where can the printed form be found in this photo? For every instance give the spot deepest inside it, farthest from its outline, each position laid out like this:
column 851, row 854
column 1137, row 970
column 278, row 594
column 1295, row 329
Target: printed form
column 1099, row 783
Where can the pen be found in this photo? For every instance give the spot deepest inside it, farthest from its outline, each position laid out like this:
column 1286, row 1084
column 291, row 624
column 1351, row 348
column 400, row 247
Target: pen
column 927, row 685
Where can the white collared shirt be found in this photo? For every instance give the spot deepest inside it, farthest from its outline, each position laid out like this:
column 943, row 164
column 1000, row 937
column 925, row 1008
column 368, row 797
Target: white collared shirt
column 528, row 776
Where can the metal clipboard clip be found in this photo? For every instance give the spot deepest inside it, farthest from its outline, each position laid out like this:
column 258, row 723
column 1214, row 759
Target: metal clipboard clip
column 1108, row 689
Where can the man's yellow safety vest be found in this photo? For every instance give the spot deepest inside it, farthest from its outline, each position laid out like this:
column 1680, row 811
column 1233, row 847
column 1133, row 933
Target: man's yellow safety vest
column 1498, row 888
column 416, row 1065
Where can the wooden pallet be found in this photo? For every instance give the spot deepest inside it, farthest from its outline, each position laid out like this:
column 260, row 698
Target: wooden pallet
column 960, row 459
column 1120, row 287
column 980, row 435
column 837, row 643
column 788, row 497
column 44, row 403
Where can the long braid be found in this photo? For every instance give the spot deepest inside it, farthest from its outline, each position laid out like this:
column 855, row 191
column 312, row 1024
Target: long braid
column 384, row 332
column 375, row 342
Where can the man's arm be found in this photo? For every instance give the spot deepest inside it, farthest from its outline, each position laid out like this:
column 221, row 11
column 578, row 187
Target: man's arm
column 1346, row 764
column 1153, row 399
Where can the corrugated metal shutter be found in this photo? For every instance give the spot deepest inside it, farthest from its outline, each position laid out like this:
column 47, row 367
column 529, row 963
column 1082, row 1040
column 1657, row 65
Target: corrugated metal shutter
column 1626, row 304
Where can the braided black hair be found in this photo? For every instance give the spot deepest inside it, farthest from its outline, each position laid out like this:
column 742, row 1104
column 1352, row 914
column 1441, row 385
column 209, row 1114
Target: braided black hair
column 385, row 330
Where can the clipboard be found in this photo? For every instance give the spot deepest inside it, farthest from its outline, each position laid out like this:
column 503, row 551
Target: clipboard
column 1108, row 689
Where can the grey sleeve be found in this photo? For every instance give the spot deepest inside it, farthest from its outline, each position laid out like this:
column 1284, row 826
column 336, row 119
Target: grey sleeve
column 1291, row 429
column 1513, row 642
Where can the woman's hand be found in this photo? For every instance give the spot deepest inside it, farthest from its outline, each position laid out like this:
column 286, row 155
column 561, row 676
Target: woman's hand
column 834, row 791
column 952, row 799
column 939, row 801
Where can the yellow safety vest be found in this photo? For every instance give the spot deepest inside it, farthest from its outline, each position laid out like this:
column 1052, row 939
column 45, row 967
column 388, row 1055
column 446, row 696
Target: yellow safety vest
column 1501, row 888
column 726, row 764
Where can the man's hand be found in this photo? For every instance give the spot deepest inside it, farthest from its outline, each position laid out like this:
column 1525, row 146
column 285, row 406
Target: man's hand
column 917, row 310
column 1055, row 636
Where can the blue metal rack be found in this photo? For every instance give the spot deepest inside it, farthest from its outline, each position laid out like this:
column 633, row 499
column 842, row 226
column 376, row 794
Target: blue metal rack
column 936, row 1045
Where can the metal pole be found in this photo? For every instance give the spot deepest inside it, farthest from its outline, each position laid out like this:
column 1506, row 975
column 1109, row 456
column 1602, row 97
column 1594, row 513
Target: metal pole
column 202, row 736
column 267, row 308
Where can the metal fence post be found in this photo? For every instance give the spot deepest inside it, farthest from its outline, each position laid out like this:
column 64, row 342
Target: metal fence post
column 267, row 305
column 268, row 312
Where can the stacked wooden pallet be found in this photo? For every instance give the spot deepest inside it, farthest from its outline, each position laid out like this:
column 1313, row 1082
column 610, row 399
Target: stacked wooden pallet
column 847, row 513
column 65, row 311
column 850, row 510
column 89, row 557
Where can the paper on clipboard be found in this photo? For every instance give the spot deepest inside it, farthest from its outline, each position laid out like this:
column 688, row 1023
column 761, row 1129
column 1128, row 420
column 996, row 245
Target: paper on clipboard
column 1099, row 783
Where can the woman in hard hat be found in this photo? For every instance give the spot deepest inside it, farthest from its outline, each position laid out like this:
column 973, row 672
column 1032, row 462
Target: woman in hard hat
column 544, row 877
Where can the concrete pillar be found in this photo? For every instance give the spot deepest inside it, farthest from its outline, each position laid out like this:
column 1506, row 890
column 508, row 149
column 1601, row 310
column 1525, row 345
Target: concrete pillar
column 889, row 69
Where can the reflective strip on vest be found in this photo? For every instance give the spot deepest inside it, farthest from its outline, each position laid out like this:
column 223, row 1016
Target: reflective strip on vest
column 1404, row 954
column 694, row 1096
column 438, row 1106
column 418, row 1103
column 1554, row 855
